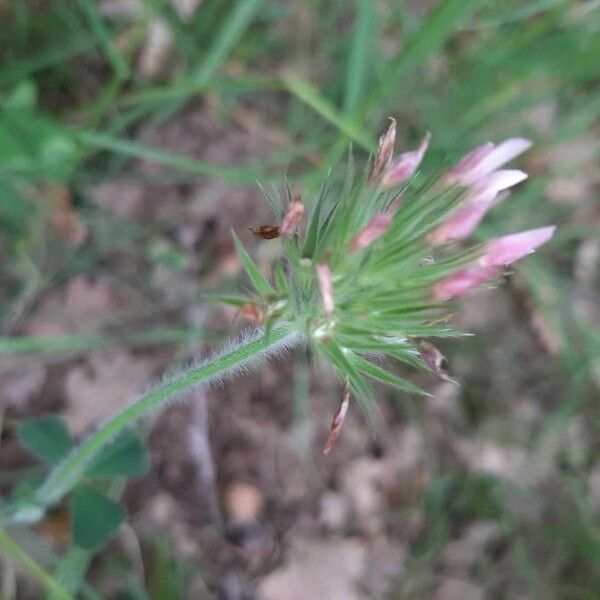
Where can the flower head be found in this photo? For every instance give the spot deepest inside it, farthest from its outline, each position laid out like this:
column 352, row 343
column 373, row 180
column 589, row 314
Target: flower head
column 389, row 302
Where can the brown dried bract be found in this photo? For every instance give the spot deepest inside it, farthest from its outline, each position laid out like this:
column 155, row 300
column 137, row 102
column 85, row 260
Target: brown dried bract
column 435, row 360
column 385, row 151
column 292, row 217
column 266, row 232
column 338, row 421
column 251, row 313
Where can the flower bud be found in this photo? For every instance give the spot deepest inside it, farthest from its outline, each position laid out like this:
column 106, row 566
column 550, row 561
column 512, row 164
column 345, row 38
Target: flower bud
column 482, row 196
column 326, row 287
column 405, row 165
column 292, row 217
column 509, row 248
column 462, row 281
column 374, row 229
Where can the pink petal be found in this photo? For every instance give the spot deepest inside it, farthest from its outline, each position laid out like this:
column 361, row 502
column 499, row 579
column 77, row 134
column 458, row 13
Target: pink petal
column 326, row 287
column 468, row 162
column 406, row 164
column 465, row 220
column 460, row 225
column 495, row 182
column 485, row 159
column 462, row 281
column 374, row 229
column 500, row 155
column 509, row 248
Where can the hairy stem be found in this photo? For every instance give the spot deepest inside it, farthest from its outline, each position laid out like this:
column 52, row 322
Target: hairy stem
column 70, row 471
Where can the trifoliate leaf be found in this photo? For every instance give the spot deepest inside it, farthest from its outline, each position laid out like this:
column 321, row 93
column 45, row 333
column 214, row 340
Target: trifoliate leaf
column 47, row 437
column 95, row 517
column 125, row 456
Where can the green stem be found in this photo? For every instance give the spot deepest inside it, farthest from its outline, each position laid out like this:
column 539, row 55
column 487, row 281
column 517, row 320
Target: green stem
column 13, row 549
column 70, row 471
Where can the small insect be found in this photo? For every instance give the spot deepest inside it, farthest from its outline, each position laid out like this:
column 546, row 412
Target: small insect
column 266, row 232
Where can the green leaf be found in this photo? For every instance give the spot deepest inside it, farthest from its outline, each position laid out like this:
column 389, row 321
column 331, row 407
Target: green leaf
column 346, row 371
column 125, row 456
column 312, row 234
column 371, row 370
column 230, row 299
column 95, row 517
column 231, row 30
column 47, row 437
column 263, row 287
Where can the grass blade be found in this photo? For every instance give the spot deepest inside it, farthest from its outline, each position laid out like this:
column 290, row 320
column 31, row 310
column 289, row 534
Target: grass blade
column 315, row 100
column 237, row 22
column 113, row 56
column 263, row 287
column 362, row 40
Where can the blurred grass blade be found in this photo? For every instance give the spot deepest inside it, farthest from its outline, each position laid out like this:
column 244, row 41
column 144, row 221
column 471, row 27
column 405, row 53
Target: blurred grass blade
column 169, row 159
column 113, row 56
column 12, row 73
column 11, row 549
column 78, row 342
column 441, row 22
column 315, row 100
column 358, row 61
column 231, row 31
column 70, row 572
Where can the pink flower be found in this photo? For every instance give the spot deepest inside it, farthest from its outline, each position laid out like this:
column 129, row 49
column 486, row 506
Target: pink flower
column 460, row 225
column 509, row 248
column 405, row 165
column 501, row 251
column 374, row 229
column 485, row 159
column 462, row 281
column 326, row 287
column 482, row 196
